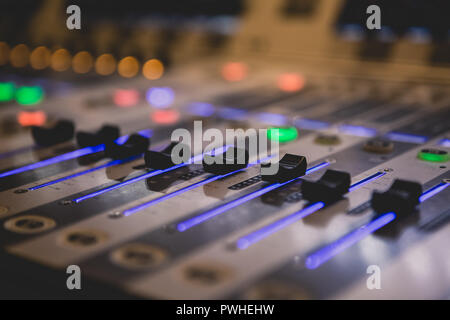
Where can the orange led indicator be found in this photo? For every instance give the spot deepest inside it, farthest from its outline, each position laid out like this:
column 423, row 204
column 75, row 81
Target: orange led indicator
column 126, row 98
column 291, row 82
column 165, row 116
column 234, row 71
column 31, row 118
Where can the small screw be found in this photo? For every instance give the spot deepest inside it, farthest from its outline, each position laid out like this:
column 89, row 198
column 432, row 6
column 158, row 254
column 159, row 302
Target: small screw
column 65, row 202
column 388, row 170
column 115, row 215
column 19, row 191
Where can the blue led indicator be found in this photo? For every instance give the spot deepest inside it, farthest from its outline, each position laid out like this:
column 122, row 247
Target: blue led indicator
column 357, row 130
column 405, row 137
column 309, row 124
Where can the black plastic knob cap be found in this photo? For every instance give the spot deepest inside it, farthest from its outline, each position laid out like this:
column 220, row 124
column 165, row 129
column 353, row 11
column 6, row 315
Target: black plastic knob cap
column 291, row 166
column 61, row 132
column 106, row 134
column 329, row 188
column 135, row 145
column 163, row 159
column 401, row 198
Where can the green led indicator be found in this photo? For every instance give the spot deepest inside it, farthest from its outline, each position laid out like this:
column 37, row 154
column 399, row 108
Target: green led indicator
column 6, row 91
column 283, row 135
column 434, row 155
column 29, row 95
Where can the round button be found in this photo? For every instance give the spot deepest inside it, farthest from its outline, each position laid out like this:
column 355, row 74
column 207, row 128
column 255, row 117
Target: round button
column 85, row 238
column 29, row 224
column 433, row 155
column 327, row 139
column 207, row 274
column 380, row 146
column 138, row 256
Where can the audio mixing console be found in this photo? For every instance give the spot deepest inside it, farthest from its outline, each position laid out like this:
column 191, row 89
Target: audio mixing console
column 87, row 177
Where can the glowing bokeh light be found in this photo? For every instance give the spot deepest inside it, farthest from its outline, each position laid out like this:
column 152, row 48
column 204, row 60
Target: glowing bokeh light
column 31, row 118
column 165, row 116
column 291, row 82
column 29, row 95
column 153, row 69
column 126, row 98
column 7, row 91
column 19, row 56
column 4, row 53
column 234, row 71
column 40, row 58
column 82, row 62
column 160, row 97
column 128, row 67
column 105, row 64
column 61, row 60
column 202, row 109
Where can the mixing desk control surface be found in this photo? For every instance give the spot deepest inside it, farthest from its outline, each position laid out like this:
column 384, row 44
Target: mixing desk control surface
column 89, row 173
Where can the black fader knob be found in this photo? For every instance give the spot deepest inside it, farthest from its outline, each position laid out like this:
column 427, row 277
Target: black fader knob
column 290, row 167
column 106, row 134
column 135, row 145
column 163, row 159
column 401, row 198
column 232, row 160
column 61, row 132
column 329, row 188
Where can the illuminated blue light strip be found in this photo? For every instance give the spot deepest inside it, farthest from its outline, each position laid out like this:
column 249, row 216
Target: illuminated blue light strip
column 175, row 193
column 266, row 231
column 202, row 109
column 187, row 224
column 150, row 203
column 272, row 118
column 67, row 156
column 404, row 137
column 433, row 191
column 125, row 183
column 106, row 165
column 15, row 152
column 57, row 159
column 358, row 130
column 445, row 143
column 232, row 113
column 310, row 124
column 365, row 181
column 136, row 179
column 248, row 240
column 326, row 253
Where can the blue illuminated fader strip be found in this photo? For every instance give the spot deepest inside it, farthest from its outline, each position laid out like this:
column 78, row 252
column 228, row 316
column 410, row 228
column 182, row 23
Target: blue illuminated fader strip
column 67, row 156
column 106, row 165
column 144, row 176
column 324, row 254
column 63, row 157
column 251, row 238
column 187, row 224
column 150, row 203
column 319, row 257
